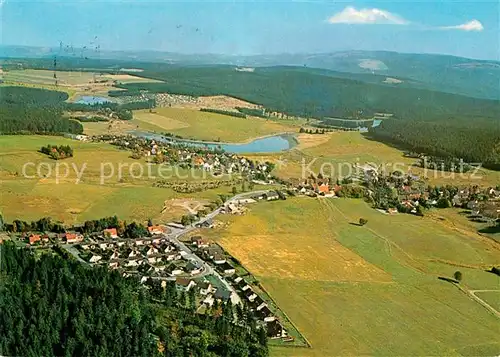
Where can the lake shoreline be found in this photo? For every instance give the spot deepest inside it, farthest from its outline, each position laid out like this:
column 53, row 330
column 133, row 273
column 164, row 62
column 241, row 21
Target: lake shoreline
column 288, row 136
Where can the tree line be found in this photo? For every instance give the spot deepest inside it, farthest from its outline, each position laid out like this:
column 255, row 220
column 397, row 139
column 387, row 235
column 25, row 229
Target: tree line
column 474, row 141
column 223, row 112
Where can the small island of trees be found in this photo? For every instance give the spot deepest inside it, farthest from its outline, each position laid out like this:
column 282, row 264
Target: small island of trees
column 57, row 152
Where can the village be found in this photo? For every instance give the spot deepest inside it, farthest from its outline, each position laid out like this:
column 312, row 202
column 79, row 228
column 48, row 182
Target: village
column 178, row 252
column 168, row 253
column 390, row 192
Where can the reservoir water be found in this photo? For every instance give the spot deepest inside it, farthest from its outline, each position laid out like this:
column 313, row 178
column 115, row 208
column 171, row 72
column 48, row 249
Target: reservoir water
column 88, row 99
column 269, row 144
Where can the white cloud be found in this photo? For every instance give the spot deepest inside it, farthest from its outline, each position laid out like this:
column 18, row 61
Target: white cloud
column 350, row 15
column 473, row 25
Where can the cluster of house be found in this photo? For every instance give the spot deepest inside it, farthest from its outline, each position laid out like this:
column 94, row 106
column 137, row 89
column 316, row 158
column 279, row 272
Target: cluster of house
column 487, row 206
column 45, row 238
column 146, row 256
column 259, row 308
column 241, row 290
column 213, row 254
column 179, row 153
column 208, row 292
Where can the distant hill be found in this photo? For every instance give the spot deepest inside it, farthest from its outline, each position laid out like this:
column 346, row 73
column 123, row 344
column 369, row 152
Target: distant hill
column 470, row 77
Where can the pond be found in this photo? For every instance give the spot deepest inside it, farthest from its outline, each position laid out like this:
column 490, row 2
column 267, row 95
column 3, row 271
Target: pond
column 268, row 145
column 88, row 99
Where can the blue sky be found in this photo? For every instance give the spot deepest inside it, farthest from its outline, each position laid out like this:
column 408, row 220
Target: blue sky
column 462, row 28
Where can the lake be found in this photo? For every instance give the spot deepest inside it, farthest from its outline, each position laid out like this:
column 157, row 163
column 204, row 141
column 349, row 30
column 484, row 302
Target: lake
column 88, row 99
column 269, row 144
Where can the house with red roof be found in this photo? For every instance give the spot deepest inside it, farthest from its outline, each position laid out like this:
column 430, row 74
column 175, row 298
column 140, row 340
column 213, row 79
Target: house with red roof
column 111, row 233
column 73, row 237
column 33, row 238
column 154, row 230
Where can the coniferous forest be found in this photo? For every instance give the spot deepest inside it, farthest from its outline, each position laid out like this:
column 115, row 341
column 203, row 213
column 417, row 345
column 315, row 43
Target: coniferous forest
column 475, row 142
column 51, row 305
column 32, row 110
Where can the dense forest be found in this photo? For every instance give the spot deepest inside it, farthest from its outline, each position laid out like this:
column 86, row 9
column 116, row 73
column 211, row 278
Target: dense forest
column 473, row 141
column 431, row 122
column 54, row 306
column 33, row 110
column 297, row 92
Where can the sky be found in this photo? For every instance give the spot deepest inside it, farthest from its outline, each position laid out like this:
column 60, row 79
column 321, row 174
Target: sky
column 462, row 28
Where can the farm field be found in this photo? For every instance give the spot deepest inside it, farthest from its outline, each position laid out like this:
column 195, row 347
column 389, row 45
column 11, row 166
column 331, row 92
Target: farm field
column 68, row 78
column 75, row 83
column 40, row 76
column 369, row 290
column 130, row 197
column 337, row 151
column 194, row 124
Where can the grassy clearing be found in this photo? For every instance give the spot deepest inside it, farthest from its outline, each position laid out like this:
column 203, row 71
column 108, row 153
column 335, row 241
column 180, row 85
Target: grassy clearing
column 210, row 126
column 369, row 290
column 281, row 247
column 130, row 197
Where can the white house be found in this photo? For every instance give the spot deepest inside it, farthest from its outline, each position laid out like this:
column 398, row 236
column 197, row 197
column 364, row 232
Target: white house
column 95, row 258
column 152, row 251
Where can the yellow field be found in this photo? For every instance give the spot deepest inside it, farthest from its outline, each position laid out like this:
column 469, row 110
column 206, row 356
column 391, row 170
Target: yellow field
column 39, row 76
column 127, row 78
column 369, row 290
column 195, row 124
column 61, row 197
column 67, row 78
column 282, row 248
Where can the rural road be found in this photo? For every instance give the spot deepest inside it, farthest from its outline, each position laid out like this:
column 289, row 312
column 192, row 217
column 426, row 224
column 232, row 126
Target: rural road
column 188, row 254
column 472, row 293
column 175, row 233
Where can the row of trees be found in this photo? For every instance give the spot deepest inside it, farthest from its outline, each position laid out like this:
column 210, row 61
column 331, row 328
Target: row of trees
column 131, row 230
column 42, row 225
column 311, row 131
column 223, row 112
column 128, row 230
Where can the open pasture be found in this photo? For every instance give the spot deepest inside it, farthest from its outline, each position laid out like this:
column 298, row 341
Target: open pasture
column 40, row 76
column 69, row 78
column 194, row 124
column 369, row 290
column 64, row 197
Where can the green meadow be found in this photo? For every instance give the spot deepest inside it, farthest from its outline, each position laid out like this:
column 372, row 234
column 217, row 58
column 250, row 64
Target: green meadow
column 120, row 191
column 370, row 290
